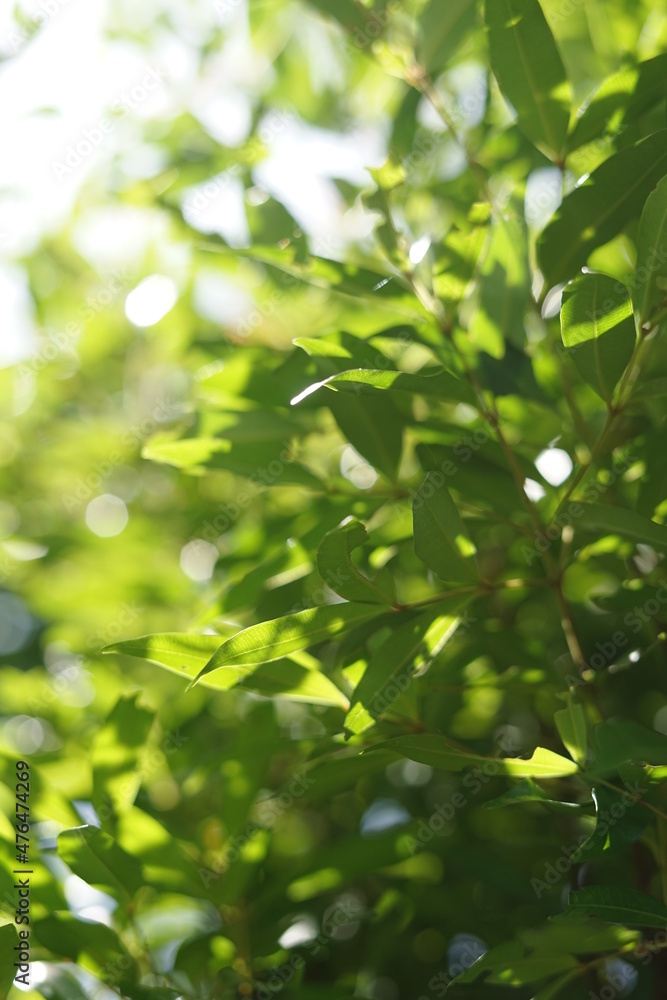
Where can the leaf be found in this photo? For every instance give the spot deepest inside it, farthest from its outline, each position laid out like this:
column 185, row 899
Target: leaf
column 650, row 291
column 598, row 330
column 456, row 262
column 134, row 992
column 440, row 753
column 528, row 791
column 440, row 383
column 620, row 98
column 116, row 753
column 504, row 288
column 346, row 12
column 442, row 29
column 97, row 859
column 605, row 520
column 336, row 568
column 93, row 946
column 571, row 725
column 410, row 647
column 529, row 71
column 8, row 939
column 597, row 210
column 185, row 454
column 618, row 906
column 186, row 654
column 619, row 823
column 615, row 743
column 277, row 638
column 373, row 427
column 60, row 985
column 441, row 541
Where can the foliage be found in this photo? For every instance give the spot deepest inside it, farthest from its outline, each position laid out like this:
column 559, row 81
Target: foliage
column 367, row 696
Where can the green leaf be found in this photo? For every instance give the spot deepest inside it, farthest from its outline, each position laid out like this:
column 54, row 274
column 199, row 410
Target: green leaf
column 441, row 541
column 620, row 98
column 618, row 906
column 346, row 12
column 373, row 427
column 94, row 946
column 504, row 289
column 390, row 670
column 615, row 743
column 97, row 859
column 605, row 520
column 650, row 291
column 438, row 752
column 571, row 725
column 116, row 753
column 438, row 383
column 528, row 791
column 277, row 638
column 185, row 654
column 188, row 453
column 60, row 985
column 442, row 29
column 597, row 210
column 8, row 938
column 620, row 822
column 530, row 71
column 336, row 568
column 134, row 992
column 598, row 330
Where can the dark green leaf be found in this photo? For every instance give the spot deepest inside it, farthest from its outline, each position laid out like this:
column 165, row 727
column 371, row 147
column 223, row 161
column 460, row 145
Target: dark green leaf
column 443, row 28
column 602, row 519
column 620, row 821
column 441, row 541
column 336, row 568
column 618, row 906
column 440, row 753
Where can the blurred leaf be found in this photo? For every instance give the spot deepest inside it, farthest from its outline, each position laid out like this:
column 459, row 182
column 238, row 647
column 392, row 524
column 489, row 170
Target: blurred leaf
column 600, row 518
column 651, row 269
column 8, row 939
column 571, row 725
column 94, row 946
column 116, row 752
column 442, row 29
column 373, row 427
column 528, row 791
column 530, row 71
column 97, row 859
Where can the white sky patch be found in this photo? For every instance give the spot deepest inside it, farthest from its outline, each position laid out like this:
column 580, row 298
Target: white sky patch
column 419, row 250
column 106, row 515
column 357, row 470
column 198, row 559
column 533, row 490
column 151, row 300
column 383, row 814
column 304, row 930
column 554, row 465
